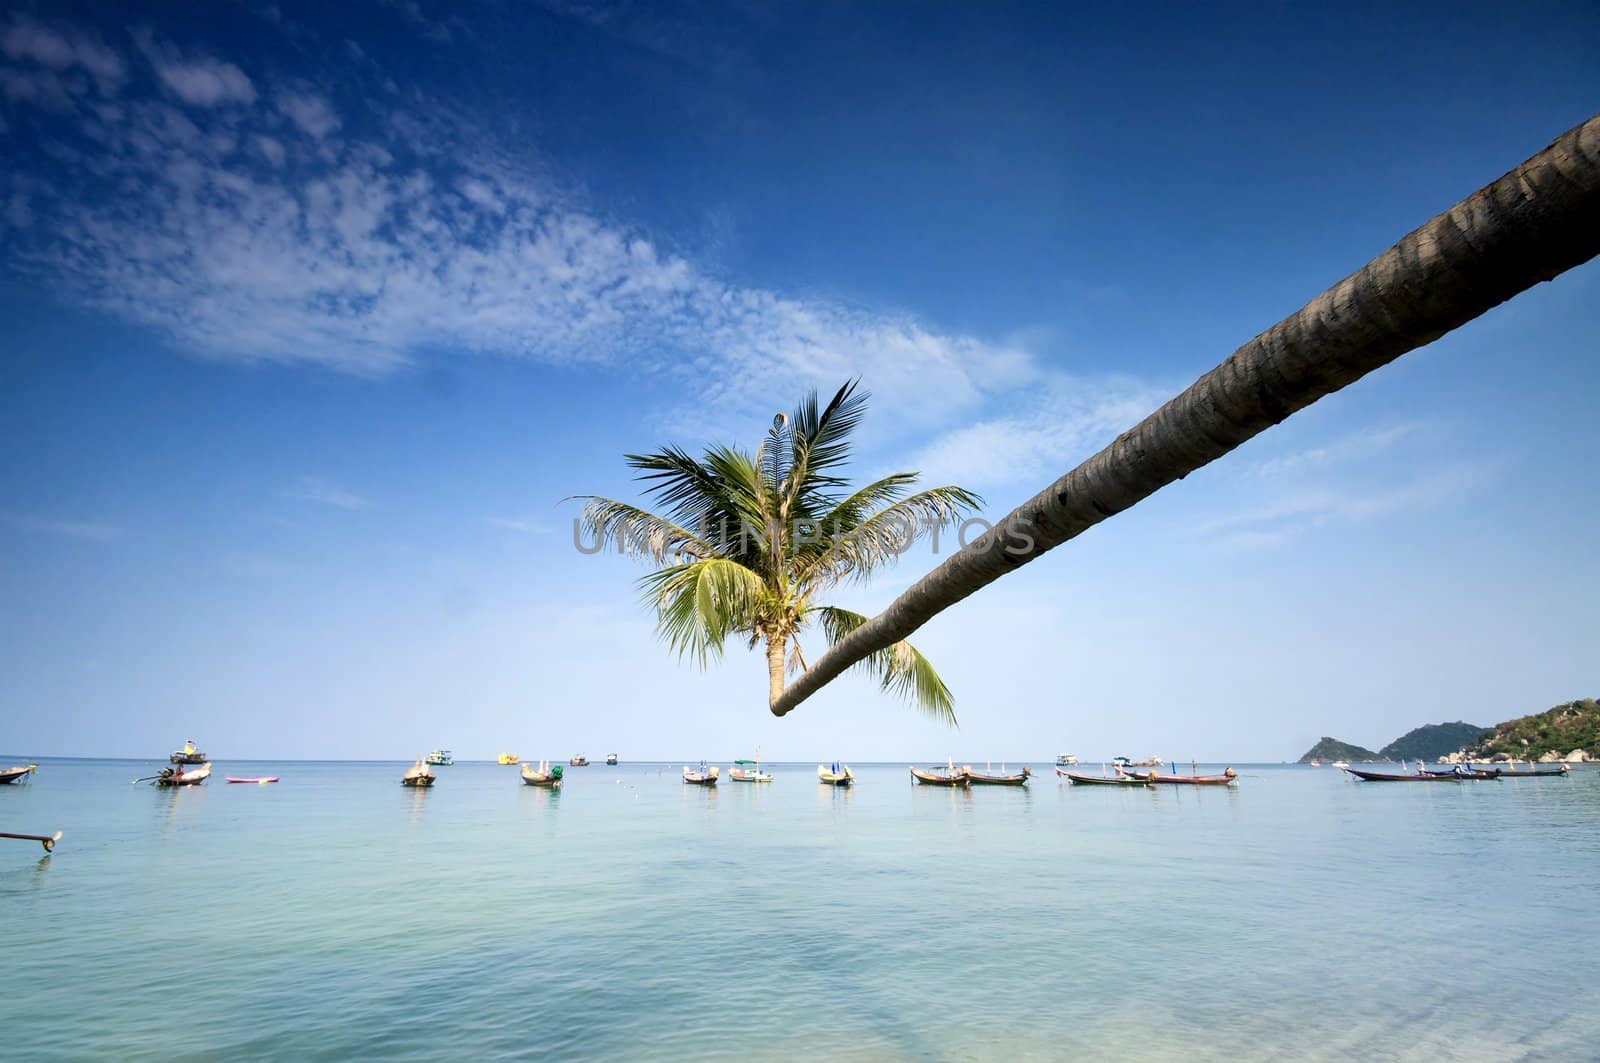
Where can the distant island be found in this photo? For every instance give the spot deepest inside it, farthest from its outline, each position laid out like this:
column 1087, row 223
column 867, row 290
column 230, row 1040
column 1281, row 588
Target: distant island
column 1330, row 749
column 1434, row 740
column 1569, row 732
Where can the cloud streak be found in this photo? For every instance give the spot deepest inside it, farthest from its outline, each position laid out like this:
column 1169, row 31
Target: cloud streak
column 249, row 227
column 324, row 492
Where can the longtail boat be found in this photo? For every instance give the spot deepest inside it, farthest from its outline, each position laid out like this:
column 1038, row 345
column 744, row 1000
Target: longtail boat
column 419, row 776
column 544, row 775
column 261, row 780
column 1470, row 773
column 1421, row 776
column 174, row 777
column 1513, row 773
column 978, row 778
column 939, row 777
column 1227, row 778
column 835, row 774
column 1102, row 780
column 704, row 777
column 11, row 775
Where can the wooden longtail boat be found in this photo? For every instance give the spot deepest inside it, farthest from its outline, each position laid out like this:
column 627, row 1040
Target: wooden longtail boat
column 1474, row 773
column 11, row 775
column 260, row 779
column 1536, row 773
column 544, row 775
column 939, row 777
column 704, row 777
column 1227, row 778
column 419, row 776
column 174, row 777
column 978, row 778
column 1101, row 780
column 835, row 775
column 1422, row 776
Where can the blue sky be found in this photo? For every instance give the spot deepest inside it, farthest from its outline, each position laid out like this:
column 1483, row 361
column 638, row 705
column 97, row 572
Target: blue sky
column 315, row 313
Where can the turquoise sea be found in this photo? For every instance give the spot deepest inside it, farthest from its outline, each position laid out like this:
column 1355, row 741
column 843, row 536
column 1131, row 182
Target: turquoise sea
column 336, row 915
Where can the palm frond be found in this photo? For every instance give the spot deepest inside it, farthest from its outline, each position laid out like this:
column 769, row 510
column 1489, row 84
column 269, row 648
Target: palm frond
column 855, row 552
column 638, row 533
column 777, row 458
column 700, row 603
column 691, row 492
column 900, row 668
column 822, row 441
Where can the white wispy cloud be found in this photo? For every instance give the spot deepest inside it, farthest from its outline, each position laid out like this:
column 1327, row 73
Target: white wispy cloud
column 87, row 531
column 526, row 525
column 316, row 489
column 1355, row 446
column 262, row 232
column 1281, row 519
column 31, row 42
column 207, row 82
column 1063, row 420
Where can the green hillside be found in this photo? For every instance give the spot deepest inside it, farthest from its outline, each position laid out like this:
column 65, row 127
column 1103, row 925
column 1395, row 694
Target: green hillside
column 1434, row 740
column 1575, row 725
column 1332, row 749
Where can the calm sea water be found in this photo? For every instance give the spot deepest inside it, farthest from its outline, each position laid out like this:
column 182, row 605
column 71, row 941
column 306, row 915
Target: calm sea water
column 337, row 915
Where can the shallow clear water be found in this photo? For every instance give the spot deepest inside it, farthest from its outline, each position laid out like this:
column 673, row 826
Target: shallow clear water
column 336, row 914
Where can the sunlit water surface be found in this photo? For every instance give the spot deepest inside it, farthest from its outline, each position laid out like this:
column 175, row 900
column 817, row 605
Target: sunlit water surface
column 337, row 915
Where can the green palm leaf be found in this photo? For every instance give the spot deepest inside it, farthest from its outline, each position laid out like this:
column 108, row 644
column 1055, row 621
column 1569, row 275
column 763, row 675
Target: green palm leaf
column 900, row 669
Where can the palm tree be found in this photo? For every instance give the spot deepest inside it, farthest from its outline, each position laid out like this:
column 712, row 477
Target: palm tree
column 1531, row 225
column 750, row 543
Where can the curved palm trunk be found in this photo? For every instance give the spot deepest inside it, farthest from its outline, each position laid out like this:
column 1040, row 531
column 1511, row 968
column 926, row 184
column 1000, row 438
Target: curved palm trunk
column 1531, row 225
column 775, row 651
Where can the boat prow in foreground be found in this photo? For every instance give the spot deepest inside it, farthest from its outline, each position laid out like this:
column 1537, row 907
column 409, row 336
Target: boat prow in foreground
column 10, row 775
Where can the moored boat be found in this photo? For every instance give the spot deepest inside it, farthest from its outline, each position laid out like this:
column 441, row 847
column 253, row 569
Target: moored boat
column 21, row 771
column 1079, row 779
column 1421, row 776
column 419, row 775
column 189, row 754
column 579, row 761
column 440, row 758
column 544, row 775
column 1227, row 778
column 611, row 759
column 1066, row 760
column 946, row 776
column 1463, row 771
column 178, row 777
column 835, row 774
column 1534, row 773
column 508, row 758
column 982, row 778
column 749, row 770
column 703, row 777
column 259, row 779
